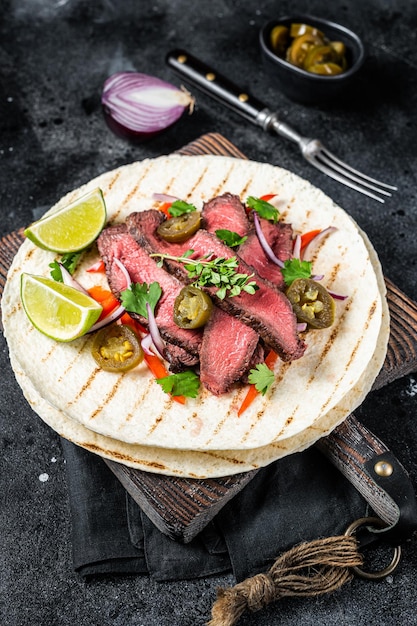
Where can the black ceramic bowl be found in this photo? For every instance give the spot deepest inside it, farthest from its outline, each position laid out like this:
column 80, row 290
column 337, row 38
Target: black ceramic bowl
column 306, row 87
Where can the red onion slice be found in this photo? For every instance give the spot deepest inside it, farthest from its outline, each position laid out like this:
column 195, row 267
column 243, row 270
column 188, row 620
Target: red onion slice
column 337, row 296
column 158, row 342
column 124, row 271
column 69, row 280
column 164, row 197
column 146, row 344
column 109, row 319
column 296, row 251
column 143, row 105
column 262, row 240
column 316, row 240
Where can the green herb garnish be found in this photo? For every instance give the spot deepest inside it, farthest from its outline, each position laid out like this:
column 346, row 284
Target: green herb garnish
column 230, row 238
column 135, row 298
column 179, row 207
column 263, row 208
column 183, row 384
column 295, row 268
column 69, row 261
column 262, row 377
column 218, row 272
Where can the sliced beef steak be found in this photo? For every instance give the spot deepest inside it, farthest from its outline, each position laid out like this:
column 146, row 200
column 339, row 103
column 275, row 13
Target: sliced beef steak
column 179, row 359
column 279, row 237
column 225, row 212
column 268, row 312
column 115, row 242
column 226, row 352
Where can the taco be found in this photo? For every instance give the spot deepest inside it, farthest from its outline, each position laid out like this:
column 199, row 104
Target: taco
column 325, row 383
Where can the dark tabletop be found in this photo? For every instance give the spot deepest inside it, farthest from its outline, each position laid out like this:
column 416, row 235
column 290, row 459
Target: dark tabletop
column 54, row 58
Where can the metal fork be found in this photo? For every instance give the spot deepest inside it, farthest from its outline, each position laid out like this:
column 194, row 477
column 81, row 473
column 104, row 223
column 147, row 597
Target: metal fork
column 225, row 91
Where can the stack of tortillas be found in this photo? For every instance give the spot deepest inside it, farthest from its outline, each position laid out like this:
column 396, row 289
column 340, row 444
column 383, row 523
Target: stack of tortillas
column 128, row 418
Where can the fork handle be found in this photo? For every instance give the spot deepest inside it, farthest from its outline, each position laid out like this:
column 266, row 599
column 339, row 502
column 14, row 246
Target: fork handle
column 218, row 87
column 226, row 92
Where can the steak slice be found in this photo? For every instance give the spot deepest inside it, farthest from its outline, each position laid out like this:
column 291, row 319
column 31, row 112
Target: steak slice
column 115, row 242
column 225, row 212
column 269, row 311
column 279, row 237
column 226, row 351
column 179, row 359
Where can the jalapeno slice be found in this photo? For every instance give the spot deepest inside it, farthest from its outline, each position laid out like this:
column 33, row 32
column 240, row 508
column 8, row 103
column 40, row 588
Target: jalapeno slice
column 311, row 302
column 279, row 39
column 297, row 52
column 178, row 229
column 192, row 308
column 116, row 348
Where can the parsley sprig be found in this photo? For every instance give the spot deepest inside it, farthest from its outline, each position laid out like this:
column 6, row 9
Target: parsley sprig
column 295, row 268
column 179, row 207
column 135, row 298
column 262, row 377
column 263, row 208
column 69, row 261
column 218, row 272
column 230, row 238
column 183, row 384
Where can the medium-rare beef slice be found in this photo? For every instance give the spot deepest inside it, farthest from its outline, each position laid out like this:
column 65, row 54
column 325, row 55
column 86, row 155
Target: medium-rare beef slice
column 226, row 351
column 179, row 359
column 269, row 311
column 225, row 212
column 115, row 242
column 279, row 237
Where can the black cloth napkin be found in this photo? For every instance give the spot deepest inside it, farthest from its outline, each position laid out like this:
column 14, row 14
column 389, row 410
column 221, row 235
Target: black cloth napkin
column 299, row 498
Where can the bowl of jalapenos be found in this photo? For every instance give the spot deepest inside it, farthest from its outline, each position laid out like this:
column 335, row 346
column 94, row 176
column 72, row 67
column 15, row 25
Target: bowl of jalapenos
column 313, row 60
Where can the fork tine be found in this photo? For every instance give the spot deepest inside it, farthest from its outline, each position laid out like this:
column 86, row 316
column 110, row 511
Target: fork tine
column 329, row 171
column 351, row 172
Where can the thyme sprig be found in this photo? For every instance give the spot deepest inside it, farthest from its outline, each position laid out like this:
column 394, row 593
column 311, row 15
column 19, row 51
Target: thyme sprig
column 214, row 272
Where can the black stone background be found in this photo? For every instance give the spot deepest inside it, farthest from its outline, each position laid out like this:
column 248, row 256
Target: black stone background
column 54, row 58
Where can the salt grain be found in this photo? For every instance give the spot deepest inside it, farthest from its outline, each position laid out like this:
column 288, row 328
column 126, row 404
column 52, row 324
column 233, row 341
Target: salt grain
column 43, row 477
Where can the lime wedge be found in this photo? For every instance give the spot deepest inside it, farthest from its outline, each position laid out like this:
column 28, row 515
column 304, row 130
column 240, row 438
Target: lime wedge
column 73, row 227
column 57, row 310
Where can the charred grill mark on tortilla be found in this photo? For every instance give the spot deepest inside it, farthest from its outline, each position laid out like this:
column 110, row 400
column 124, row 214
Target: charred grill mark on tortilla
column 268, row 312
column 85, row 386
column 115, row 242
column 108, row 397
column 113, row 180
column 115, row 454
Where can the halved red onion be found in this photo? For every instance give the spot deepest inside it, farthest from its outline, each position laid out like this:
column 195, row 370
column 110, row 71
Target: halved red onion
column 139, row 105
column 264, row 244
column 323, row 233
column 69, row 280
column 157, row 340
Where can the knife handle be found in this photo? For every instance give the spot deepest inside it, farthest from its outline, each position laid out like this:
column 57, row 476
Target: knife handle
column 376, row 473
column 218, row 87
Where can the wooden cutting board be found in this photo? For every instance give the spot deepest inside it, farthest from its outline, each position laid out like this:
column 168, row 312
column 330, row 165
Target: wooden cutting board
column 182, row 507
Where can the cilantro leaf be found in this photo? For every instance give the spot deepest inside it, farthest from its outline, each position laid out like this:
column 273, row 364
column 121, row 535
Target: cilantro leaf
column 135, row 298
column 230, row 238
column 263, row 208
column 179, row 207
column 183, row 384
column 262, row 377
column 69, row 261
column 295, row 268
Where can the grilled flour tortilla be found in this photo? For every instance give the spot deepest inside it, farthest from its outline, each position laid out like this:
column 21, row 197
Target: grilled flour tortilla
column 327, row 383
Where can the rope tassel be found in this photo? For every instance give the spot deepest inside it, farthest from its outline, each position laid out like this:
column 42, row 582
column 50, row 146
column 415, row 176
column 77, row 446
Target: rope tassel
column 309, row 569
